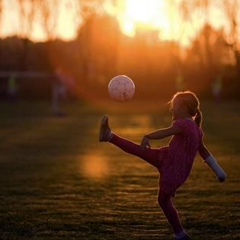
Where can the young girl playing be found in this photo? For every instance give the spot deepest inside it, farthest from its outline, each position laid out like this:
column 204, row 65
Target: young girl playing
column 174, row 162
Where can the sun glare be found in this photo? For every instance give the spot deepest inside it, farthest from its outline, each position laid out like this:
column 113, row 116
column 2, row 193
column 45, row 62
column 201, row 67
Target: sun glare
column 145, row 14
column 94, row 166
column 143, row 11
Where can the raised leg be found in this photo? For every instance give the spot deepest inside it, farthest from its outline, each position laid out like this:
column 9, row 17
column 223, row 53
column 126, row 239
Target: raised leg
column 149, row 155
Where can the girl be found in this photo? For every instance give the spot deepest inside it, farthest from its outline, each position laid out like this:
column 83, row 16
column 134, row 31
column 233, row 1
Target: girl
column 175, row 161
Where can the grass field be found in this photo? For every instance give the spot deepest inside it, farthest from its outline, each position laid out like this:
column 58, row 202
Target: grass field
column 58, row 182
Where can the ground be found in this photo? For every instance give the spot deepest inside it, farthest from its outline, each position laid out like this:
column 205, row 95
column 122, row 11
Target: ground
column 59, row 182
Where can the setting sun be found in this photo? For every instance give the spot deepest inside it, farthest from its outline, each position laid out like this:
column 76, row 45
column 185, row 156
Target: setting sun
column 144, row 11
column 164, row 17
column 147, row 14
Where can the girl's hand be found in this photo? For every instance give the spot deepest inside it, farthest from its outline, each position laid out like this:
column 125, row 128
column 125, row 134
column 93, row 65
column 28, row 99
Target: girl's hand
column 145, row 143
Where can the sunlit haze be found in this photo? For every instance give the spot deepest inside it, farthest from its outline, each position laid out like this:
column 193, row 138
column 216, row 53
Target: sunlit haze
column 141, row 13
column 162, row 17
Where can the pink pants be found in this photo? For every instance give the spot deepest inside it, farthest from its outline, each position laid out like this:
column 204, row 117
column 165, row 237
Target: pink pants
column 154, row 157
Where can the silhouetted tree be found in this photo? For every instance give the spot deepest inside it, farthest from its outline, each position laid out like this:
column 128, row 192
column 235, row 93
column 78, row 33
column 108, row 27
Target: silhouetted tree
column 232, row 13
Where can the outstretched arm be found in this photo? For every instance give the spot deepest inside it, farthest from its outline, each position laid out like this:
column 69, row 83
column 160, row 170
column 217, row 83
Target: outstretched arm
column 212, row 162
column 160, row 134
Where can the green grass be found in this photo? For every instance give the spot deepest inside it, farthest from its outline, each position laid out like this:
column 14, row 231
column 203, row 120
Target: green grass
column 58, row 182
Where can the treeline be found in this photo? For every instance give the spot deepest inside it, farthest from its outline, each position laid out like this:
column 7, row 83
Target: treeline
column 101, row 51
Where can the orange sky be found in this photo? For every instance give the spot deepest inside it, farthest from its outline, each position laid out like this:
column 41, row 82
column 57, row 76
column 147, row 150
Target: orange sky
column 66, row 28
column 165, row 17
column 155, row 14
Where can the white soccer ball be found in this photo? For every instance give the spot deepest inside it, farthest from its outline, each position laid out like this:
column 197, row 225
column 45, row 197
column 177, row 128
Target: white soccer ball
column 121, row 88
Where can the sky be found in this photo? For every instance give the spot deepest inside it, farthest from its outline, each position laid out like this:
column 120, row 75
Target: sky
column 154, row 14
column 66, row 28
column 167, row 18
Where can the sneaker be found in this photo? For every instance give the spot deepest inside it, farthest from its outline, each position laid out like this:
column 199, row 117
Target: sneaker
column 186, row 237
column 105, row 131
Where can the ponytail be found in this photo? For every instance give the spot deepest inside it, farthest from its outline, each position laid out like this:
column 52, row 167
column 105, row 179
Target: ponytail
column 198, row 117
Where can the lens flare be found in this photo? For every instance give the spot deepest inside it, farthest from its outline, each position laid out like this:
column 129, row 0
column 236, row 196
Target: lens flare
column 94, row 166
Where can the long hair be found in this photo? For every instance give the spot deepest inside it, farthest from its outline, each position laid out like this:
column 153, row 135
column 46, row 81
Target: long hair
column 191, row 101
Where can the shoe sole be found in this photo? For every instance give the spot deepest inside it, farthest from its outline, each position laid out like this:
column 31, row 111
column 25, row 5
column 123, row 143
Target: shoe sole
column 103, row 122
